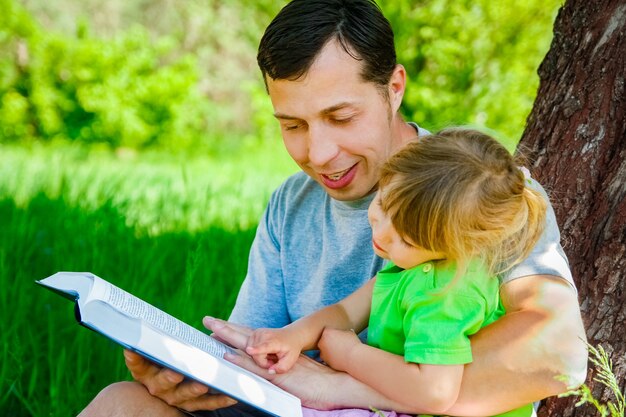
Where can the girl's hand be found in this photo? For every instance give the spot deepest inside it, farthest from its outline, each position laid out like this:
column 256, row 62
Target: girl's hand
column 273, row 349
column 336, row 347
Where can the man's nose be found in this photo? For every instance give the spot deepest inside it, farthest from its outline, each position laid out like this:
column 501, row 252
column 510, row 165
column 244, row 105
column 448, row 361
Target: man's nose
column 323, row 146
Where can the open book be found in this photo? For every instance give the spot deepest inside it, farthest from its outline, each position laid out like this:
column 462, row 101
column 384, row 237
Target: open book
column 143, row 328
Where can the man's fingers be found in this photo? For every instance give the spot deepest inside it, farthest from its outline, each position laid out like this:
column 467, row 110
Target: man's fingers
column 248, row 363
column 139, row 367
column 134, row 360
column 183, row 393
column 166, row 384
column 131, row 356
column 158, row 380
column 171, row 387
column 207, row 402
column 148, row 373
column 234, row 335
column 238, row 327
column 168, row 379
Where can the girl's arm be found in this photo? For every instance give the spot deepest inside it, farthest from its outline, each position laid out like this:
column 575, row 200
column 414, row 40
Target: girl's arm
column 433, row 388
column 278, row 349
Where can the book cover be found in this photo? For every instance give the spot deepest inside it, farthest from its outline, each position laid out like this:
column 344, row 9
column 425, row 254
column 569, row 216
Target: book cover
column 162, row 338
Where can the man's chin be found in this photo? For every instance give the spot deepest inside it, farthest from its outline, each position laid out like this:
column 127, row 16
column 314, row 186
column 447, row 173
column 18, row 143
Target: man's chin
column 346, row 194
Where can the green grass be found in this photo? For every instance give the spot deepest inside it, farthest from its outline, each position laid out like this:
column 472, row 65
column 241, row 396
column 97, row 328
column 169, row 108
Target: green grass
column 173, row 230
column 603, row 405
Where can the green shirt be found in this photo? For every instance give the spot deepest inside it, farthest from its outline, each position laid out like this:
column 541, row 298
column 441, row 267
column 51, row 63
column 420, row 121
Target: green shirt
column 427, row 313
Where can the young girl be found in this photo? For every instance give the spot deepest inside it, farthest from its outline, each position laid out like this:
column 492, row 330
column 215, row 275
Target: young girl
column 453, row 210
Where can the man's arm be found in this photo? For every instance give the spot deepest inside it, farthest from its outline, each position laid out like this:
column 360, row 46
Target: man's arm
column 516, row 358
column 315, row 384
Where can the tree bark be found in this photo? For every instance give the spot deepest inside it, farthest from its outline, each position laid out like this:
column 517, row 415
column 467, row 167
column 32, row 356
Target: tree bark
column 576, row 133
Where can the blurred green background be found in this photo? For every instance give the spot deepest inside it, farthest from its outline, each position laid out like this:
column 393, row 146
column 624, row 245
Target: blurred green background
column 137, row 142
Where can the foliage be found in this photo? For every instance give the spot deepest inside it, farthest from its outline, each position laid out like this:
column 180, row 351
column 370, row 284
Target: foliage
column 605, row 376
column 175, row 230
column 156, row 192
column 49, row 365
column 183, row 74
column 472, row 61
column 121, row 91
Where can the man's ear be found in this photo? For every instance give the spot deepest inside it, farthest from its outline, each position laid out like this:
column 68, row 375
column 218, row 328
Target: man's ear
column 397, row 84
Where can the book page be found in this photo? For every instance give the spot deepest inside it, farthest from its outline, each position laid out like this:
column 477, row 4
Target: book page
column 160, row 337
column 135, row 307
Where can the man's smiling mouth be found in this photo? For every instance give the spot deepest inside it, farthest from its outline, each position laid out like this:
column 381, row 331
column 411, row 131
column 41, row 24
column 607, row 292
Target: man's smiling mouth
column 339, row 180
column 337, row 175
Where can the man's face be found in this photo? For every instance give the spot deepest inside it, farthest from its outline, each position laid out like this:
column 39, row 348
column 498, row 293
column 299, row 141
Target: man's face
column 337, row 127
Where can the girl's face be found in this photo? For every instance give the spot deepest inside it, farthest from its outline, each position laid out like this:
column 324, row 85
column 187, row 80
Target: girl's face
column 390, row 245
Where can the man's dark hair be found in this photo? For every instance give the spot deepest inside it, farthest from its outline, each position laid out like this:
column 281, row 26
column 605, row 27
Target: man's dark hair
column 302, row 28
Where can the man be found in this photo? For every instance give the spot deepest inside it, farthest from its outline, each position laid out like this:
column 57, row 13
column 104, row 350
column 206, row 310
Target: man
column 331, row 74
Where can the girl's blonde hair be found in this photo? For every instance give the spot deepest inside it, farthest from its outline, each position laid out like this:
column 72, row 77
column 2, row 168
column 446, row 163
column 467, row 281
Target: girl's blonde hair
column 462, row 193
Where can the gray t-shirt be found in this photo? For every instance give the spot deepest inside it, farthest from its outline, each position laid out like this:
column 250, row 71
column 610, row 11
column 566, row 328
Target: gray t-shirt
column 311, row 251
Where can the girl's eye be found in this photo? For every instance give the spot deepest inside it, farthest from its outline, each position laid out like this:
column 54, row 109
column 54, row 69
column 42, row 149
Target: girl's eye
column 378, row 200
column 405, row 243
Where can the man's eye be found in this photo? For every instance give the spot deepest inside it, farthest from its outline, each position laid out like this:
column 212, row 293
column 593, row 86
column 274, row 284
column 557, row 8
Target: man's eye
column 291, row 127
column 342, row 120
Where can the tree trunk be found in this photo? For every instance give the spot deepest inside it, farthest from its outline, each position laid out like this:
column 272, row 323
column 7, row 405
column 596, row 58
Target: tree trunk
column 576, row 133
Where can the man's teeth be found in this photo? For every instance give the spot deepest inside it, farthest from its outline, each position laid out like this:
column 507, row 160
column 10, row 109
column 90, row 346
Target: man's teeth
column 337, row 175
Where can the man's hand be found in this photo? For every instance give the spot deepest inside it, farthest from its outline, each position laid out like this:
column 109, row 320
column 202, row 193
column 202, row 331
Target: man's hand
column 277, row 350
column 172, row 387
column 306, row 380
column 336, row 347
column 318, row 386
